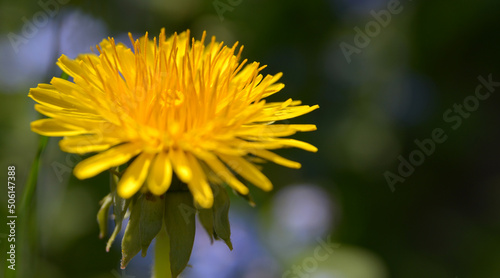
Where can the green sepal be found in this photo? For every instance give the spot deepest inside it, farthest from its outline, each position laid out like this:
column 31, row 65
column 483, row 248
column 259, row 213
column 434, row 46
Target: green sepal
column 131, row 242
column 120, row 207
column 103, row 215
column 180, row 225
column 146, row 220
column 220, row 209
column 151, row 220
column 247, row 197
column 206, row 217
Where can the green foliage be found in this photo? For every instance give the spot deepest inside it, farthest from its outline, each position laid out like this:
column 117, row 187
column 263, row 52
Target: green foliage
column 180, row 225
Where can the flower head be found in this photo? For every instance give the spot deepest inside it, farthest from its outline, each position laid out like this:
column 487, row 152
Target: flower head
column 170, row 105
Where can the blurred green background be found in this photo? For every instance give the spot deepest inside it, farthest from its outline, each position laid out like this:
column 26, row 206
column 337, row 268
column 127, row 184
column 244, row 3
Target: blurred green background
column 378, row 93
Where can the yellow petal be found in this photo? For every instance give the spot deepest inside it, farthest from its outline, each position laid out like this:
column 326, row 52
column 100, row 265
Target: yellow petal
column 276, row 158
column 69, row 88
column 199, row 187
column 160, row 175
column 49, row 96
column 181, row 165
column 57, row 113
column 87, row 143
column 221, row 170
column 282, row 105
column 257, row 131
column 53, row 127
column 288, row 113
column 134, row 176
column 69, row 66
column 248, row 171
column 297, row 144
column 86, row 121
column 103, row 161
column 272, row 89
column 271, row 143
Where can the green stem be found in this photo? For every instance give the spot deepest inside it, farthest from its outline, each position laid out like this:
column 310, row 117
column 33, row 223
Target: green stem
column 29, row 189
column 161, row 268
column 26, row 199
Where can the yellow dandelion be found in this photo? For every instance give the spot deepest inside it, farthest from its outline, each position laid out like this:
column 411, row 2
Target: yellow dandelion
column 170, row 105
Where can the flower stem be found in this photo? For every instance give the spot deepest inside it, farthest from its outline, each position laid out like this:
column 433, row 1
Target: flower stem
column 30, row 187
column 161, row 268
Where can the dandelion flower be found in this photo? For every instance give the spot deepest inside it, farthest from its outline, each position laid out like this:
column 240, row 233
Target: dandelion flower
column 170, row 106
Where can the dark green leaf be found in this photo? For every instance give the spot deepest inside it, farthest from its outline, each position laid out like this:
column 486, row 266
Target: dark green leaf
column 180, row 225
column 131, row 242
column 206, row 217
column 222, row 227
column 103, row 215
column 151, row 218
column 120, row 207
